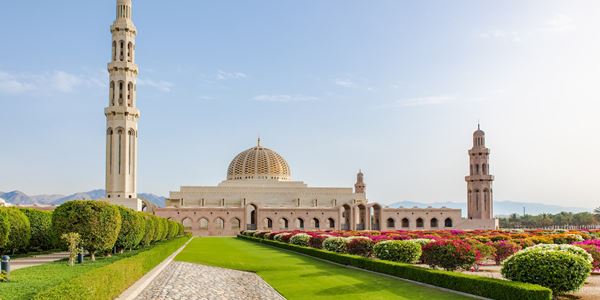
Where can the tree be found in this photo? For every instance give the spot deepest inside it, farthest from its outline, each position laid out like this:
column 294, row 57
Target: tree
column 150, row 230
column 4, row 229
column 72, row 239
column 132, row 231
column 42, row 237
column 97, row 222
column 20, row 230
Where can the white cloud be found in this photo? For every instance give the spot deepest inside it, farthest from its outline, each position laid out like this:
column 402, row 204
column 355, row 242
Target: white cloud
column 57, row 81
column 222, row 75
column 422, row 101
column 284, row 98
column 348, row 83
column 161, row 85
column 10, row 84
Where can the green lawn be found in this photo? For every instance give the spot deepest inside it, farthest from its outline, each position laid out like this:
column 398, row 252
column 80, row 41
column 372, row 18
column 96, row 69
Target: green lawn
column 300, row 277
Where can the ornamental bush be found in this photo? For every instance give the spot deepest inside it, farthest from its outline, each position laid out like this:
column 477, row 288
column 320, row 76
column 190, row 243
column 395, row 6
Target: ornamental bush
column 422, row 242
column 317, row 241
column 180, row 229
column 97, row 222
column 559, row 270
column 173, row 230
column 504, row 249
column 300, row 239
column 4, row 229
column 449, row 255
column 159, row 229
column 401, row 251
column 594, row 251
column 567, row 248
column 566, row 238
column 133, row 227
column 359, row 245
column 19, row 233
column 42, row 236
column 150, row 230
column 335, row 244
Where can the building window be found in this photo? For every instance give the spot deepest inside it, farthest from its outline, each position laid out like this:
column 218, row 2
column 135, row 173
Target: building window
column 434, row 223
column 420, row 223
column 405, row 223
column 448, row 222
column 331, row 222
column 203, row 223
column 391, row 223
column 219, row 223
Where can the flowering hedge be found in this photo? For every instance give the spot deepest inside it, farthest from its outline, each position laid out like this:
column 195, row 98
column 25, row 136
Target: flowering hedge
column 449, row 255
column 400, row 251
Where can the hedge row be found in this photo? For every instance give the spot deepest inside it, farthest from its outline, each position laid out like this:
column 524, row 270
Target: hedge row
column 15, row 230
column 471, row 284
column 110, row 281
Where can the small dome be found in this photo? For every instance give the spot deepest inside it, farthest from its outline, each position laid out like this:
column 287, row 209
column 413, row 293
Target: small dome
column 258, row 163
column 478, row 132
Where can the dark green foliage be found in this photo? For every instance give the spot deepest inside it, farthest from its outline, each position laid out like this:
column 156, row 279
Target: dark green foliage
column 150, row 231
column 561, row 271
column 173, row 230
column 4, row 229
column 20, row 230
column 472, row 284
column 132, row 231
column 401, row 251
column 449, row 255
column 359, row 245
column 42, row 236
column 97, row 222
column 158, row 228
column 180, row 229
column 164, row 223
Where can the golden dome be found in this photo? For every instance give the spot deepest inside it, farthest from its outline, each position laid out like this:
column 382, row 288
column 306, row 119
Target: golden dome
column 258, row 163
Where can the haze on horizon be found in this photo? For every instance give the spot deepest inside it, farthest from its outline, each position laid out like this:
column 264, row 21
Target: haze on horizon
column 393, row 87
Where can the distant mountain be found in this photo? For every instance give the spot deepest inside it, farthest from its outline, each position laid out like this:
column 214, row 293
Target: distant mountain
column 20, row 198
column 501, row 208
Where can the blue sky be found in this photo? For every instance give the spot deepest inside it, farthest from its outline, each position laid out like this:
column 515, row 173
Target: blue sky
column 392, row 87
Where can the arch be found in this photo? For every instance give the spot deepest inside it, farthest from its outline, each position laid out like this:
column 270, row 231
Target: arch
column 129, row 52
column 375, row 216
column 114, row 51
column 121, row 90
column 433, row 223
column 130, row 94
column 121, row 50
column 448, row 222
column 477, row 169
column 390, row 223
column 235, row 223
column 484, row 169
column 187, row 223
column 360, row 216
column 346, row 216
column 405, row 223
column 268, row 223
column 120, row 146
column 111, row 93
column 251, row 216
column 283, row 223
column 203, row 223
column 331, row 223
column 219, row 223
column 299, row 223
column 420, row 223
column 315, row 223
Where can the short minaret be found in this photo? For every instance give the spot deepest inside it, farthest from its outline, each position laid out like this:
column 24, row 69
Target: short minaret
column 121, row 114
column 479, row 182
column 360, row 187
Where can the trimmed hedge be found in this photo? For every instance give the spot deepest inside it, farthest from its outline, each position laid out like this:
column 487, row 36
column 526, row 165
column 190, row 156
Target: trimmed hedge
column 4, row 229
column 472, row 284
column 150, row 230
column 20, row 230
column 133, row 227
column 42, row 236
column 110, row 281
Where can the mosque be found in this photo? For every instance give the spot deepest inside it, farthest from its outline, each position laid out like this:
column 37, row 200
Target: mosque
column 259, row 192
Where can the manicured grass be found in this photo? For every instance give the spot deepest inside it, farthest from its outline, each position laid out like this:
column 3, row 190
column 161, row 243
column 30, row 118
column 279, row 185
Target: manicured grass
column 300, row 277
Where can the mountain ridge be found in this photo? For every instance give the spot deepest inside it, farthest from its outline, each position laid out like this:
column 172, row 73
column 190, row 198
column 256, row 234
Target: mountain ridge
column 17, row 197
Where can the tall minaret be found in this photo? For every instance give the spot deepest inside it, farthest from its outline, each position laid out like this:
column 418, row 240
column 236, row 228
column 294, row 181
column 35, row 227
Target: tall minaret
column 479, row 182
column 360, row 187
column 121, row 114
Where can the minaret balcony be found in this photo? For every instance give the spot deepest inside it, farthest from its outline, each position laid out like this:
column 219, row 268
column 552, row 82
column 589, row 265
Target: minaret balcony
column 121, row 110
column 122, row 65
column 479, row 178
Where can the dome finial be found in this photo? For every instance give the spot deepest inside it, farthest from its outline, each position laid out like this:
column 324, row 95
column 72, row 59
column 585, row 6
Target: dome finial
column 478, row 125
column 258, row 141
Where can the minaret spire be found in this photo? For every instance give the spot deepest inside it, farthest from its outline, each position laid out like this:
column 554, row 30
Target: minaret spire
column 360, row 187
column 121, row 114
column 479, row 182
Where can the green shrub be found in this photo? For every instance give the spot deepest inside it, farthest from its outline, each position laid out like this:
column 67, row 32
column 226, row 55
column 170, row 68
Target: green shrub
column 567, row 238
column 173, row 229
column 472, row 284
column 300, row 239
column 97, row 222
column 561, row 271
column 449, row 255
column 165, row 225
column 132, row 230
column 150, row 230
column 317, row 241
column 396, row 250
column 42, row 236
column 180, row 229
column 566, row 248
column 359, row 245
column 335, row 244
column 158, row 229
column 19, row 232
column 109, row 281
column 4, row 229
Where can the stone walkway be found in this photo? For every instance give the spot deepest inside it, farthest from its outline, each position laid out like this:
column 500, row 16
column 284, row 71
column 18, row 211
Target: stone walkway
column 182, row 280
column 19, row 263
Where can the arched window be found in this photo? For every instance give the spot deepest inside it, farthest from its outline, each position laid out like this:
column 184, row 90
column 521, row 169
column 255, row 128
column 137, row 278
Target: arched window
column 390, row 223
column 121, row 88
column 331, row 222
column 187, row 223
column 120, row 149
column 109, row 134
column 433, row 223
column 122, row 48
column 129, row 93
column 283, row 223
column 420, row 223
column 484, row 169
column 219, row 223
column 405, row 223
column 448, row 222
column 477, row 169
column 315, row 223
column 268, row 223
column 114, row 51
column 129, row 51
column 477, row 200
column 131, row 150
column 299, row 223
column 235, row 223
column 111, row 94
column 203, row 223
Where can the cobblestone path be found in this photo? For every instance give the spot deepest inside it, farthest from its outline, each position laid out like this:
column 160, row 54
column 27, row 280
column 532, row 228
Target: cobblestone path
column 180, row 280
